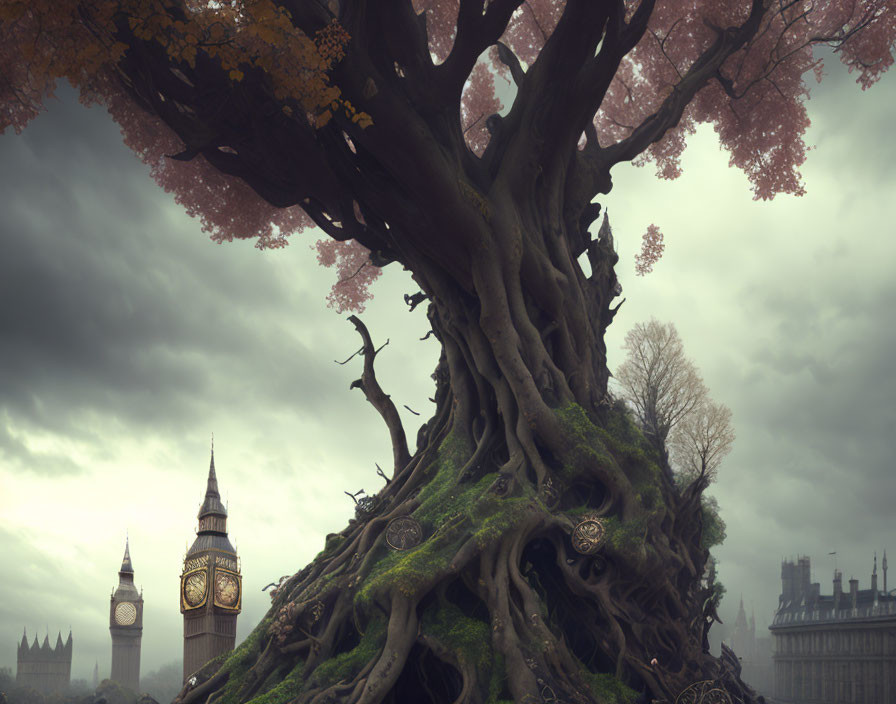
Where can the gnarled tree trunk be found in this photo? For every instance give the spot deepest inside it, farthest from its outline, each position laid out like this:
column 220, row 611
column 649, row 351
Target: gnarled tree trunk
column 498, row 598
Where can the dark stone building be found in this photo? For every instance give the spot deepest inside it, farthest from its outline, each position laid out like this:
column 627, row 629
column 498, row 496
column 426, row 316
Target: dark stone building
column 211, row 585
column 44, row 669
column 126, row 626
column 838, row 649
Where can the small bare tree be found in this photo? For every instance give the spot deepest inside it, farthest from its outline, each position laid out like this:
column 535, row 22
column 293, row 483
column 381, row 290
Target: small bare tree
column 672, row 405
column 660, row 383
column 700, row 442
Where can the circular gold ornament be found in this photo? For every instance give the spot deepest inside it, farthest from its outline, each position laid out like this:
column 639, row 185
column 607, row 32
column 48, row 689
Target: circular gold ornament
column 194, row 588
column 589, row 534
column 125, row 613
column 703, row 692
column 403, row 533
column 227, row 589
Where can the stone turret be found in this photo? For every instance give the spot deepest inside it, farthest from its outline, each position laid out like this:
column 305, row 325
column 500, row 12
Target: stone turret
column 43, row 668
column 211, row 584
column 838, row 589
column 874, row 577
column 884, row 565
column 126, row 626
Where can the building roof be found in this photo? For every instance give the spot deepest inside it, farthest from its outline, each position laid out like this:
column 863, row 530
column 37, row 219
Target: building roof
column 44, row 653
column 126, row 565
column 125, row 591
column 212, row 504
column 211, row 541
column 808, row 606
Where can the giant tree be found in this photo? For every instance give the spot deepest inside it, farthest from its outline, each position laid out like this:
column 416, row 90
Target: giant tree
column 541, row 554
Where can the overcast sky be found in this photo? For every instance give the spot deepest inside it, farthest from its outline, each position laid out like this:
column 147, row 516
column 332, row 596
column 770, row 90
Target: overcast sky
column 127, row 338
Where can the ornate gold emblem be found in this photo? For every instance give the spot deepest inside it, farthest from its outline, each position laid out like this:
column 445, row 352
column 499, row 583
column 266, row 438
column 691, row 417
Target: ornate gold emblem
column 227, row 589
column 703, row 692
column 589, row 534
column 195, row 588
column 196, row 562
column 226, row 562
column 403, row 533
column 125, row 613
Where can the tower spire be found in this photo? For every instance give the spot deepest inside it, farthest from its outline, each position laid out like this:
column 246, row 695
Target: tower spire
column 884, row 565
column 126, row 565
column 210, row 560
column 212, row 503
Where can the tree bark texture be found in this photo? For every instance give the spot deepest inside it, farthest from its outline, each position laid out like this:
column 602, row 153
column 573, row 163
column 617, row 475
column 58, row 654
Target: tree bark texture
column 495, row 604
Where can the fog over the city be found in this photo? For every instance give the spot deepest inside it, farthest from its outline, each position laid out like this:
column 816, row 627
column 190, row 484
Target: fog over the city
column 127, row 338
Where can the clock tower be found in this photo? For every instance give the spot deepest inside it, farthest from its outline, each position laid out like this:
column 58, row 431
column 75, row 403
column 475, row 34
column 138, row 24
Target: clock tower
column 126, row 626
column 210, row 585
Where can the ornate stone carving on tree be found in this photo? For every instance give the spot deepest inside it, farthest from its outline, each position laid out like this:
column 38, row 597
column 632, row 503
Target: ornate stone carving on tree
column 403, row 533
column 703, row 692
column 589, row 534
column 365, row 506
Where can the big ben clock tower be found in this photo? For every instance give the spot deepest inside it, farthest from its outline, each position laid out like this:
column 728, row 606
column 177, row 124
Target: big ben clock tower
column 126, row 626
column 210, row 585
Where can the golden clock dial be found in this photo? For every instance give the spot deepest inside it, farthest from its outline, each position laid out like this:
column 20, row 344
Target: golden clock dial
column 227, row 589
column 125, row 613
column 194, row 588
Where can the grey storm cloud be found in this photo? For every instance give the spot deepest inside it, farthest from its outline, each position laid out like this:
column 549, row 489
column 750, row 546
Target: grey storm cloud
column 126, row 337
column 103, row 306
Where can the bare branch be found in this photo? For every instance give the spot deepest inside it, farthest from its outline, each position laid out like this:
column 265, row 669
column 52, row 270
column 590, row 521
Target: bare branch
column 380, row 400
column 701, row 441
column 360, row 351
column 414, row 300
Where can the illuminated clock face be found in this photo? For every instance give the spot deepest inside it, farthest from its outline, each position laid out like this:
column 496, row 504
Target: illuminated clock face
column 227, row 589
column 125, row 613
column 194, row 588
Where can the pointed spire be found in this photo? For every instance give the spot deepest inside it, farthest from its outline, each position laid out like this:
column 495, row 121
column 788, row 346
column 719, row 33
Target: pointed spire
column 874, row 571
column 885, row 571
column 69, row 641
column 126, row 565
column 59, row 645
column 24, row 643
column 212, row 503
column 740, row 622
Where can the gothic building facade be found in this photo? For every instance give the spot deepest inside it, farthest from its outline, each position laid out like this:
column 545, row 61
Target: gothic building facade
column 754, row 653
column 834, row 649
column 210, row 584
column 44, row 669
column 126, row 626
